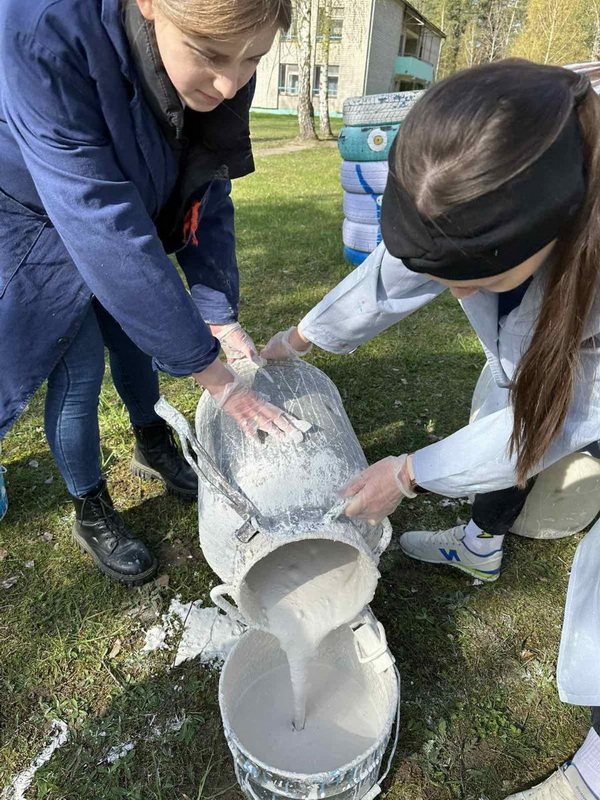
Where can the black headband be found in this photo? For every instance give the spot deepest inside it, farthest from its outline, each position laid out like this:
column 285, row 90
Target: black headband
column 496, row 231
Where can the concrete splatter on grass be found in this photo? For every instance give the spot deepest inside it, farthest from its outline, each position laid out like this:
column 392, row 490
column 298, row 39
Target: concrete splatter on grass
column 115, row 753
column 206, row 633
column 20, row 783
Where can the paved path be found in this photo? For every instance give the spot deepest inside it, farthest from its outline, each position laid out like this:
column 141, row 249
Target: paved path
column 294, row 148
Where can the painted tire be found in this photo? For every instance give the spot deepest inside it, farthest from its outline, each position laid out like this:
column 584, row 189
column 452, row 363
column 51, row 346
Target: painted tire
column 357, row 236
column 379, row 109
column 367, row 143
column 365, row 208
column 354, row 257
column 364, row 177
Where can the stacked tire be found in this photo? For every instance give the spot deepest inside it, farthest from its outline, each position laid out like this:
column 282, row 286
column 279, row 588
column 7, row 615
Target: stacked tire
column 370, row 127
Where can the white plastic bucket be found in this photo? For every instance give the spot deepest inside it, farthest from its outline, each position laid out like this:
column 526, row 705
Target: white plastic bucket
column 287, row 489
column 255, row 657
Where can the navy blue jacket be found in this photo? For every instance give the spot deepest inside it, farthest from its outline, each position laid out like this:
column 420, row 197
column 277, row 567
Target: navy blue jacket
column 84, row 170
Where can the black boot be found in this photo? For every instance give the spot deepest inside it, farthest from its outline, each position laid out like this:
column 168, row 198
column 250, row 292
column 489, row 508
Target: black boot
column 100, row 531
column 156, row 455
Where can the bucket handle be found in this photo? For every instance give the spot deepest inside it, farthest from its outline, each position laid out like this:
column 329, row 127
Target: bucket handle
column 208, row 472
column 216, row 595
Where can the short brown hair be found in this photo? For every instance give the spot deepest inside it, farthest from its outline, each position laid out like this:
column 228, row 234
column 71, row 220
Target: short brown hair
column 226, row 19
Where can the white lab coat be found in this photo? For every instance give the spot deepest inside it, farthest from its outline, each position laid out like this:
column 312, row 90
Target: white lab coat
column 382, row 292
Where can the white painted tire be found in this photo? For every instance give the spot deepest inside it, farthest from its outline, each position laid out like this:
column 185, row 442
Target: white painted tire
column 361, row 237
column 379, row 109
column 368, row 177
column 364, row 208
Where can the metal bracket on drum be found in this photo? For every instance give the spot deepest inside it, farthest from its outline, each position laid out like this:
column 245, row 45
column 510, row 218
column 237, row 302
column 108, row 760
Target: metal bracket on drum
column 206, row 469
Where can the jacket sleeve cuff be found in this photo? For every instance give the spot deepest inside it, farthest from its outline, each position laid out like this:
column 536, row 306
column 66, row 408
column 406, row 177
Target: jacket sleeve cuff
column 213, row 305
column 196, row 362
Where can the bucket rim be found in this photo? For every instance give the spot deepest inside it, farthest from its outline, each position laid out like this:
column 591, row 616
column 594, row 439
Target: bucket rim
column 304, row 777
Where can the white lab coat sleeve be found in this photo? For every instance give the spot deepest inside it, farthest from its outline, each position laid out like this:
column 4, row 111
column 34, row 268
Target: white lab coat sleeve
column 475, row 459
column 378, row 293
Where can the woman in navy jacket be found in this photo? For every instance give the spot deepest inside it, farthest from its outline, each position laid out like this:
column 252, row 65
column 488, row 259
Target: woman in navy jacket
column 121, row 124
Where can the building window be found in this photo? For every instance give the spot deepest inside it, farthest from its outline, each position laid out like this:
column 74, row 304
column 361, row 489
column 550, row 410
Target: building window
column 332, row 80
column 288, row 79
column 408, row 84
column 429, row 45
column 417, row 40
column 330, row 19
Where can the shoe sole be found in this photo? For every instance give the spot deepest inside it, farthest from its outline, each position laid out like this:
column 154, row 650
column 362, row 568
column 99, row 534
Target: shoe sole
column 474, row 573
column 149, row 474
column 117, row 577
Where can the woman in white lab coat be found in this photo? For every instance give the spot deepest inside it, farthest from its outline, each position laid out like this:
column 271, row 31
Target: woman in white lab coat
column 494, row 193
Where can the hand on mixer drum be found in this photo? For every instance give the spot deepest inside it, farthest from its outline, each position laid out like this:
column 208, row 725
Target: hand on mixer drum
column 309, row 694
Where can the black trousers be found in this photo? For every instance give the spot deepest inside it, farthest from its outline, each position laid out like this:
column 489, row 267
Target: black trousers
column 596, row 720
column 495, row 512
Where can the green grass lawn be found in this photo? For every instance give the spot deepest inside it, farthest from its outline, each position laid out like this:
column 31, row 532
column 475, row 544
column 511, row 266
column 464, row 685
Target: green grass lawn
column 278, row 130
column 480, row 712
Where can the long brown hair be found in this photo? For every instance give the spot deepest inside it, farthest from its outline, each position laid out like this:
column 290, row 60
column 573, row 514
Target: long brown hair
column 226, row 19
column 470, row 134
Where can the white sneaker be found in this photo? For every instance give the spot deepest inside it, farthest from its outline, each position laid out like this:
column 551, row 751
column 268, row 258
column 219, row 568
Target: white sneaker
column 448, row 547
column 564, row 784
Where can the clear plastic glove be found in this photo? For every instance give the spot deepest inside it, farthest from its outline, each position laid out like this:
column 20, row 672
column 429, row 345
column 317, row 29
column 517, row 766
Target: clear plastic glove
column 236, row 343
column 253, row 413
column 286, row 344
column 378, row 490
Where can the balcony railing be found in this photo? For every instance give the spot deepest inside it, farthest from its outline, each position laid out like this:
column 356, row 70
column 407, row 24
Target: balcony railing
column 415, row 68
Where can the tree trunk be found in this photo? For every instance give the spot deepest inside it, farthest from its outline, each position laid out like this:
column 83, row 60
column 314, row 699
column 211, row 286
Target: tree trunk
column 326, row 25
column 595, row 54
column 306, row 117
column 324, row 122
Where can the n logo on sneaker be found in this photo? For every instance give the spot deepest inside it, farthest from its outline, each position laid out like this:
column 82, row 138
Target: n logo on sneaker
column 449, row 556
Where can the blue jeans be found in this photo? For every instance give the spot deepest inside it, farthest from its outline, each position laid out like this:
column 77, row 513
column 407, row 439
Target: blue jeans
column 71, row 415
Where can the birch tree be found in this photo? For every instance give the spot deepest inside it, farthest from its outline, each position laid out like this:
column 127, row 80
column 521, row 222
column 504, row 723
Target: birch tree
column 306, row 115
column 324, row 31
column 595, row 49
column 555, row 32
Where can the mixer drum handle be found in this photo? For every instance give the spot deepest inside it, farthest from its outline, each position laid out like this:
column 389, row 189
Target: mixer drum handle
column 208, row 472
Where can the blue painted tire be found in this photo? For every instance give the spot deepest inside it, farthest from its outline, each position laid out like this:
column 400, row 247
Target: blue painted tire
column 368, row 143
column 364, row 177
column 358, row 236
column 354, row 257
column 365, row 208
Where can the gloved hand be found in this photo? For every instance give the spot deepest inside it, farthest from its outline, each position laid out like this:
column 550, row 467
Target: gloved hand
column 236, row 343
column 251, row 411
column 287, row 344
column 378, row 490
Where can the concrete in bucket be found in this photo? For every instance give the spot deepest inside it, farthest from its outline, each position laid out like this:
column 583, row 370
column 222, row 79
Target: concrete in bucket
column 255, row 497
column 566, row 496
column 256, row 658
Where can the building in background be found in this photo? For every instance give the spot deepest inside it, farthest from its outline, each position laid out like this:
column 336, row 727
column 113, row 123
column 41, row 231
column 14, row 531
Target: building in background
column 375, row 46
